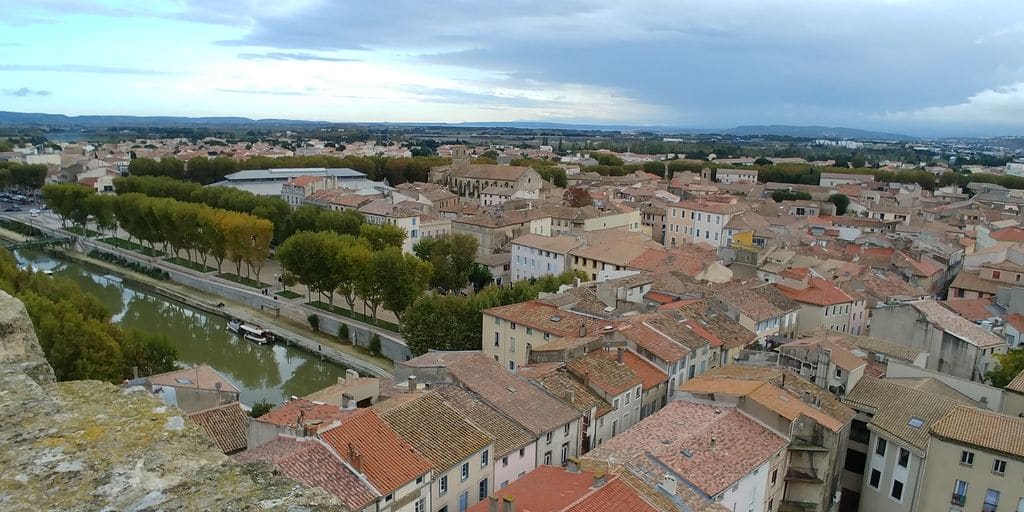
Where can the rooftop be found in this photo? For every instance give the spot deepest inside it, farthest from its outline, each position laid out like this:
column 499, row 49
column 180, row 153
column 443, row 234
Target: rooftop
column 599, row 368
column 310, row 462
column 711, row 447
column 197, row 377
column 511, row 394
column 545, row 489
column 956, row 325
column 984, row 429
column 226, row 425
column 508, row 435
column 548, row 318
column 557, row 244
column 436, row 430
column 818, row 292
column 386, row 460
column 894, row 406
column 303, row 411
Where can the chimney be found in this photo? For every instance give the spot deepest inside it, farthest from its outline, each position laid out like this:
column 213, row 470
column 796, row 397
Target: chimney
column 508, row 504
column 346, row 401
column 620, row 355
column 355, row 459
column 351, row 374
column 411, row 383
column 569, row 395
column 583, row 329
column 599, row 480
column 714, row 442
column 492, row 503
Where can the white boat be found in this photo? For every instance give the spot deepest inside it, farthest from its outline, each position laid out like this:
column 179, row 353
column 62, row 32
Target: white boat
column 234, row 324
column 112, row 278
column 254, row 334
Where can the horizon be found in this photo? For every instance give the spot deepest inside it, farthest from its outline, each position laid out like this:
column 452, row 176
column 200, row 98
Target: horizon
column 850, row 64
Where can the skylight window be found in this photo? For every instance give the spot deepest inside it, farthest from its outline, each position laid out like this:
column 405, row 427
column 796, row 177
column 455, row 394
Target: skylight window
column 183, row 381
column 916, row 422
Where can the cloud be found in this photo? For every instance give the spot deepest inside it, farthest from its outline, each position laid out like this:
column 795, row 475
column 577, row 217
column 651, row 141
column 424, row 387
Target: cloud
column 998, row 106
column 81, row 68
column 25, row 91
column 266, row 92
column 292, row 56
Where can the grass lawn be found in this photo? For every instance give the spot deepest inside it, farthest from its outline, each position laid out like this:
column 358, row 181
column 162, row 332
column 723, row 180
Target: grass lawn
column 198, row 267
column 288, row 294
column 80, row 231
column 131, row 246
column 338, row 310
column 252, row 283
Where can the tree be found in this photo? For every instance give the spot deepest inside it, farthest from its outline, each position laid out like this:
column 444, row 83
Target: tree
column 404, row 277
column 288, row 280
column 841, row 201
column 441, row 322
column 382, row 235
column 577, row 197
column 762, row 161
column 480, row 276
column 148, row 353
column 858, row 161
column 785, row 195
column 260, row 408
column 314, row 322
column 842, row 161
column 452, row 257
column 353, row 261
column 1008, row 366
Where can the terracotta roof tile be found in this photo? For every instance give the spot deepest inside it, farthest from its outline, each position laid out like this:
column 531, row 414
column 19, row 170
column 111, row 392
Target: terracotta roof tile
column 227, row 426
column 508, row 435
column 599, row 368
column 1016, row 320
column 387, row 460
column 653, row 341
column 548, row 318
column 312, row 463
column 514, row 396
column 290, row 413
column 545, row 489
column 559, row 383
column 198, row 377
column 436, row 430
column 956, row 325
column 984, row 429
column 1017, row 384
column 760, row 302
column 650, row 375
column 819, row 292
column 615, row 496
column 680, row 437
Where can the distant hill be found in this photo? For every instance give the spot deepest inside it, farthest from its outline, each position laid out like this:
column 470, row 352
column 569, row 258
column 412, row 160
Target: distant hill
column 815, row 132
column 60, row 121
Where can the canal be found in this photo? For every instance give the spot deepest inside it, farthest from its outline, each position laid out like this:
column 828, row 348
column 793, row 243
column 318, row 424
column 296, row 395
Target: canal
column 268, row 372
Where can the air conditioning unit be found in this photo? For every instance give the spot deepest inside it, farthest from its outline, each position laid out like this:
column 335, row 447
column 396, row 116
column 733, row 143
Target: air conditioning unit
column 880, row 358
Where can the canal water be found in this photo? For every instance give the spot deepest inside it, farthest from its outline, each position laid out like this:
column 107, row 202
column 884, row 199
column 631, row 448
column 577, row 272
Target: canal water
column 262, row 372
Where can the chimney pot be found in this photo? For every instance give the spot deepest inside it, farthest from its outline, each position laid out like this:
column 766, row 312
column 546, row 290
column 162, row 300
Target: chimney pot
column 508, row 504
column 600, row 479
column 583, row 330
column 569, row 395
column 492, row 503
column 620, row 355
column 411, row 383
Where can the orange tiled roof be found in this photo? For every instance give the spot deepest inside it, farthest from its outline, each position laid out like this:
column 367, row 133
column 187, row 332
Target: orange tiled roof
column 387, row 460
column 226, row 425
column 290, row 413
column 545, row 489
column 653, row 341
column 601, row 369
column 548, row 318
column 819, row 292
column 1016, row 320
column 1010, row 234
column 615, row 496
column 982, row 428
column 649, row 374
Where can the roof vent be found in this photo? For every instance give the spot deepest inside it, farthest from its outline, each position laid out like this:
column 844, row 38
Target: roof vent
column 556, row 318
column 511, row 389
column 687, row 453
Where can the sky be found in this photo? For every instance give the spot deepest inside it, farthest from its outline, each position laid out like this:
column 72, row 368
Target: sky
column 924, row 67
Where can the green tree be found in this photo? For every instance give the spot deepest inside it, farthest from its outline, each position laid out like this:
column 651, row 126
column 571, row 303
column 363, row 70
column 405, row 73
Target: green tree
column 452, row 257
column 353, row 261
column 841, row 201
column 382, row 235
column 785, row 195
column 1008, row 366
column 260, row 408
column 404, row 277
column 858, row 161
column 480, row 276
column 655, row 167
column 762, row 161
column 149, row 353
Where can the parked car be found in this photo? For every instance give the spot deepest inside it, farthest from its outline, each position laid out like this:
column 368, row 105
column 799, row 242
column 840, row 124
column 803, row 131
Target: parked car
column 12, row 209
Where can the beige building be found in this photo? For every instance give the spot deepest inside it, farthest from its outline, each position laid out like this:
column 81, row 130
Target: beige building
column 511, row 332
column 822, row 304
column 1013, row 397
column 495, row 230
column 975, row 462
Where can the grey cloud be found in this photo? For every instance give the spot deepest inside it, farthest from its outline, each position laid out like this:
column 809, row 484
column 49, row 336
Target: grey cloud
column 25, row 91
column 81, row 68
column 292, row 56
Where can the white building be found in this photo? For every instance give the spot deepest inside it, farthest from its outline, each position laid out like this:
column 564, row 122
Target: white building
column 731, row 176
column 534, row 255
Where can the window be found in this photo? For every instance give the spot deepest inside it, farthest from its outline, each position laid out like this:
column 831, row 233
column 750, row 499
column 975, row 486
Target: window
column 511, row 366
column 839, row 373
column 419, row 479
column 511, row 343
column 565, row 453
column 465, row 471
column 904, row 458
column 565, row 429
column 615, row 403
column 483, row 489
column 497, row 339
column 522, row 452
column 880, row 447
column 464, row 501
column 897, row 490
column 1020, row 505
column 484, row 459
column 967, row 458
column 504, row 461
column 999, row 466
column 547, row 458
column 959, row 493
column 627, row 398
column 636, row 394
column 442, row 485
column 876, row 477
column 529, row 331
column 775, row 475
column 421, row 505
column 991, row 501
column 855, row 461
column 512, row 325
column 388, row 498
column 995, row 274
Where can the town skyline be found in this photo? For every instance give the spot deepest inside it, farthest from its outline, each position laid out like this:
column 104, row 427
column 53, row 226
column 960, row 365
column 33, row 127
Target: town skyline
column 852, row 64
